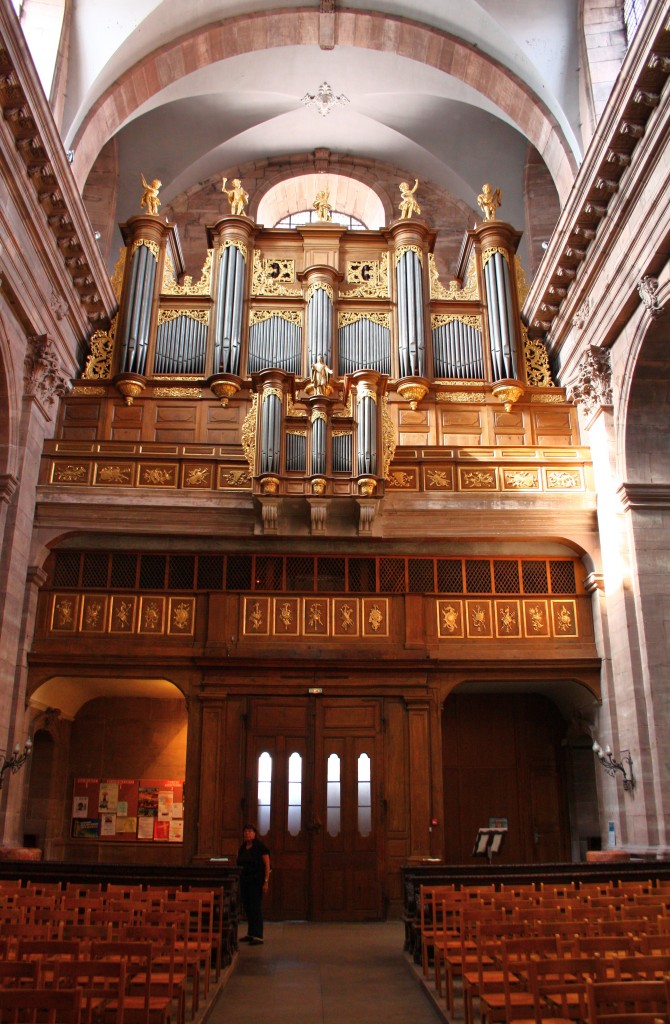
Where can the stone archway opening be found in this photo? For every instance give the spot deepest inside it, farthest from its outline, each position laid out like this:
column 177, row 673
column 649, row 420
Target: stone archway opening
column 346, row 196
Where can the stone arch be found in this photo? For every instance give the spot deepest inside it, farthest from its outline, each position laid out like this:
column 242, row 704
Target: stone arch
column 450, row 217
column 360, row 29
column 8, row 412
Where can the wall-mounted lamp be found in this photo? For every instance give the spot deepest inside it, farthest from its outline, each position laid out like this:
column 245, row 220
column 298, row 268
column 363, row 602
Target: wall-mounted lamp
column 612, row 766
column 13, row 763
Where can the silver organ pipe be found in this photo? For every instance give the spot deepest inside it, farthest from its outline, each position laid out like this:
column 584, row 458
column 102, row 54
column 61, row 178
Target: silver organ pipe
column 270, row 433
column 320, row 327
column 275, row 343
column 367, row 434
column 181, row 346
column 230, row 304
column 457, row 351
column 296, row 453
column 135, row 338
column 501, row 323
column 318, row 458
column 411, row 345
column 341, row 449
column 364, row 345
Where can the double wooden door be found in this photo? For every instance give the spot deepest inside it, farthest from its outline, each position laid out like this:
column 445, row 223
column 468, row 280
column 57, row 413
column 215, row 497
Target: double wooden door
column 314, row 787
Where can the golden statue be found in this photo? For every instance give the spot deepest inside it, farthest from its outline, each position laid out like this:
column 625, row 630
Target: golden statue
column 237, row 197
column 489, row 201
column 322, row 206
column 150, row 195
column 320, row 376
column 408, row 204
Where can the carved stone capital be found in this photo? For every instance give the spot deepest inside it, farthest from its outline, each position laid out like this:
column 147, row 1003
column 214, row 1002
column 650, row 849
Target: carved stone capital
column 43, row 376
column 648, row 290
column 593, row 386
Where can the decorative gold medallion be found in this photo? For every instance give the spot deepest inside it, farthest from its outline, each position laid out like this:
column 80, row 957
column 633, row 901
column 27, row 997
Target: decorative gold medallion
column 449, row 619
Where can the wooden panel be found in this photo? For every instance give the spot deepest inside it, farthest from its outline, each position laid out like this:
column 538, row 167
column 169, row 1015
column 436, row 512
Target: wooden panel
column 223, row 425
column 127, row 422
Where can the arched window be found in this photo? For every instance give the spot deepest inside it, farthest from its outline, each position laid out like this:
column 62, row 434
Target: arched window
column 632, row 16
column 290, row 202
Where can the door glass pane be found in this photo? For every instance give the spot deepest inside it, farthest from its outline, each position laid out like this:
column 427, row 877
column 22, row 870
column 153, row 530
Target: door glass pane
column 264, row 793
column 364, row 796
column 333, row 796
column 294, row 794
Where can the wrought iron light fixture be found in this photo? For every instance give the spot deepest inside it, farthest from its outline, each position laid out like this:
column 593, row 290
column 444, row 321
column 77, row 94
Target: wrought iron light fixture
column 18, row 758
column 324, row 99
column 612, row 766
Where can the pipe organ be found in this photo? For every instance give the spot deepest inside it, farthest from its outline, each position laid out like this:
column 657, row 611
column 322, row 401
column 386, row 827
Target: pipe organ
column 271, row 304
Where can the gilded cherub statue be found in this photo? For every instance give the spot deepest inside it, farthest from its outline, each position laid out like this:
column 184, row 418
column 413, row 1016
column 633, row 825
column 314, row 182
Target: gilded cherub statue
column 320, row 375
column 150, row 195
column 322, row 206
column 408, row 204
column 489, row 201
column 237, row 197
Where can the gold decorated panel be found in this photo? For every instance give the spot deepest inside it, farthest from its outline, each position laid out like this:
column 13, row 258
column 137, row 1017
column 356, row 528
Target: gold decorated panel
column 346, row 617
column 181, row 616
column 478, row 619
column 199, row 476
column 114, row 474
column 70, row 473
column 233, row 478
column 564, row 479
column 403, row 479
column 536, row 618
column 507, row 619
column 438, row 479
column 479, row 479
column 375, row 617
column 526, row 479
column 450, row 622
column 315, row 616
column 93, row 616
column 152, row 615
column 286, row 616
column 64, row 610
column 158, row 474
column 256, row 616
column 564, row 618
column 123, row 611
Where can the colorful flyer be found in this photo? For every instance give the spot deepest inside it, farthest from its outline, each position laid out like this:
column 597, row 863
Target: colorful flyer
column 109, row 797
column 80, row 807
column 108, row 824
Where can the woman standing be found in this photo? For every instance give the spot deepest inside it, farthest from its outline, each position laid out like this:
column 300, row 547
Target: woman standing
column 254, row 859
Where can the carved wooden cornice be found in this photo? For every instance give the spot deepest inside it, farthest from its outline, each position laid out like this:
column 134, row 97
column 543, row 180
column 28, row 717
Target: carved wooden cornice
column 622, row 126
column 48, row 175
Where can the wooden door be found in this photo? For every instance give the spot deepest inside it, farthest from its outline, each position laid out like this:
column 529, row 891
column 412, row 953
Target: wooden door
column 314, row 788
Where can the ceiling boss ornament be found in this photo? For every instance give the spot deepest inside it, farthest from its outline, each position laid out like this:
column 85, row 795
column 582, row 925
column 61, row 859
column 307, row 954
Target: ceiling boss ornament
column 324, row 99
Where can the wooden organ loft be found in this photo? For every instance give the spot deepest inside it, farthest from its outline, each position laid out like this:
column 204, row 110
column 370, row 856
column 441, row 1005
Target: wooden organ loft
column 216, row 372
column 315, row 492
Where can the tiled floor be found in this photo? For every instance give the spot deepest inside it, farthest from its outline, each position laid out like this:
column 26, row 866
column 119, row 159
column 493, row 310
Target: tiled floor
column 325, row 974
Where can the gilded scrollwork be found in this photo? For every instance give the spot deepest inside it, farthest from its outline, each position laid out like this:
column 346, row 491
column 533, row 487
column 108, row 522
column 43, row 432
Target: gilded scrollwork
column 116, row 279
column 322, row 286
column 177, row 393
column 383, row 319
column 201, row 287
column 522, row 287
column 270, row 276
column 153, row 247
column 165, row 315
column 248, row 435
column 345, row 413
column 292, row 316
column 370, row 277
column 99, row 362
column 468, row 293
column 389, row 441
column 402, row 249
column 471, row 397
column 538, row 371
column 440, row 319
column 491, row 250
column 294, row 410
column 227, row 242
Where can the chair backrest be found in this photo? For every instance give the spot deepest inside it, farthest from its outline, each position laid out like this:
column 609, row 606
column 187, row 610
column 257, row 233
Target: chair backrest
column 641, row 966
column 605, row 945
column 48, row 949
column 139, row 962
column 53, row 1006
column 561, row 981
column 626, row 1002
column 21, row 973
column 102, row 984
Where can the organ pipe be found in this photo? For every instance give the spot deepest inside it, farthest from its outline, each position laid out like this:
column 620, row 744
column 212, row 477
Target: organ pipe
column 270, row 433
column 318, row 459
column 364, row 345
column 457, row 351
column 275, row 343
column 134, row 340
column 411, row 345
column 230, row 303
column 501, row 320
column 320, row 327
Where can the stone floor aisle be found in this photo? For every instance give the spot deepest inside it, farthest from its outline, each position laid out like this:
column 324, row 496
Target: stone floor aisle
column 325, row 974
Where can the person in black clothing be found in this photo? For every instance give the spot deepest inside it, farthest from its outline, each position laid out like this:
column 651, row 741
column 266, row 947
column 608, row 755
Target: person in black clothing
column 254, row 859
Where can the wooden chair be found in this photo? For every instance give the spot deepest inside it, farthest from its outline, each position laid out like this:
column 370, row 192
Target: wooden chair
column 491, row 940
column 604, row 945
column 48, row 1005
column 558, row 987
column 640, row 967
column 200, row 907
column 146, row 1007
column 49, row 952
column 176, row 917
column 627, row 1002
column 102, row 984
column 20, row 973
column 166, row 978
